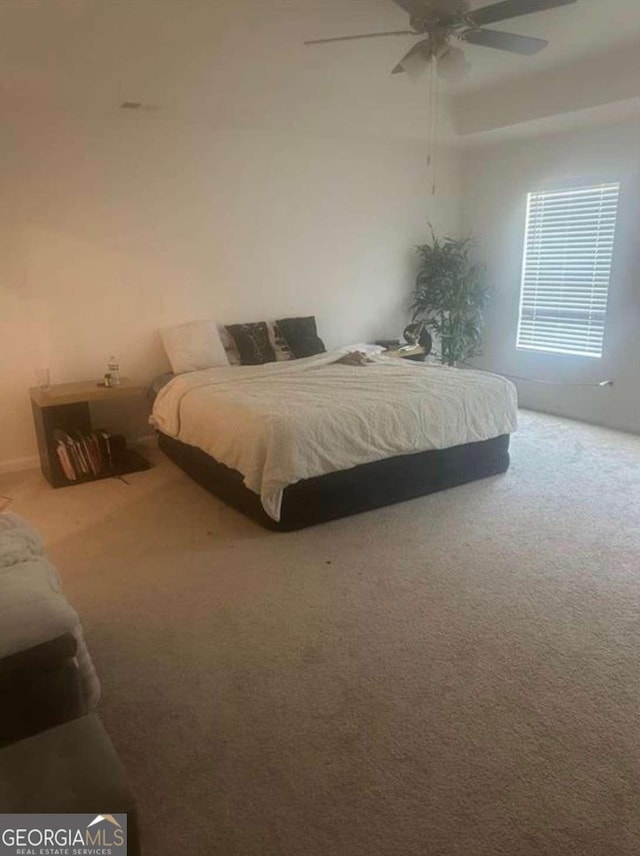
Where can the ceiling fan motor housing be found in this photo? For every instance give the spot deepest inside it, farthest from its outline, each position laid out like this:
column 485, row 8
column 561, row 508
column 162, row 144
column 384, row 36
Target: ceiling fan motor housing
column 440, row 20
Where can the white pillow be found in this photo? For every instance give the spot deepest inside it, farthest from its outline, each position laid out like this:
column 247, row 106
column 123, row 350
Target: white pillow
column 194, row 346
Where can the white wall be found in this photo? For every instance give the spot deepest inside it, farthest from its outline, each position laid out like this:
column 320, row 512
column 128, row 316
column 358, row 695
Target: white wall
column 496, row 180
column 591, row 82
column 110, row 229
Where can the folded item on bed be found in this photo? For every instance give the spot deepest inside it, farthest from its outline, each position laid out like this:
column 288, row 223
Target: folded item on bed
column 280, row 423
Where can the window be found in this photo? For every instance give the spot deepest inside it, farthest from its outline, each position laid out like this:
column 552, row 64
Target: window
column 566, row 269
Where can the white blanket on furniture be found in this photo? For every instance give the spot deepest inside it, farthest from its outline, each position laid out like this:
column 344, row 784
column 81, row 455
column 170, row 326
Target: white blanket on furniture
column 283, row 422
column 33, row 609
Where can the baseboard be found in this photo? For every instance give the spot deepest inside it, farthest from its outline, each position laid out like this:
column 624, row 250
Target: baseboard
column 16, row 465
column 624, row 428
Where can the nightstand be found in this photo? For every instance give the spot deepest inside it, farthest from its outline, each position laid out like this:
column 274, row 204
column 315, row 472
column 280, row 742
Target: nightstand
column 410, row 352
column 65, row 407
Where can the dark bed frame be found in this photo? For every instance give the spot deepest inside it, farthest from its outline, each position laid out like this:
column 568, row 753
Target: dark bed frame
column 368, row 486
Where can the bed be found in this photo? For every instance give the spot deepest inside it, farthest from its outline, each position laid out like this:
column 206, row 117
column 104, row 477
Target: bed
column 292, row 444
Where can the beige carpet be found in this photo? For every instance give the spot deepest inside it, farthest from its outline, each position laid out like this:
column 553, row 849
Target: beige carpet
column 455, row 676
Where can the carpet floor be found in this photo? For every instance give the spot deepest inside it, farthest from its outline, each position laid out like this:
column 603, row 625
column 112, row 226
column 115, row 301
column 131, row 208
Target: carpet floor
column 458, row 675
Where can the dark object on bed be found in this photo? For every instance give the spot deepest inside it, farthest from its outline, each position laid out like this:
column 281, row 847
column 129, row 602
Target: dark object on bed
column 388, row 344
column 328, row 497
column 301, row 336
column 252, row 342
column 417, row 334
column 353, row 358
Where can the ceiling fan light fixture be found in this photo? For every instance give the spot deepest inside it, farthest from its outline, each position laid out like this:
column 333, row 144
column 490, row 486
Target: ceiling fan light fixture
column 416, row 61
column 453, row 65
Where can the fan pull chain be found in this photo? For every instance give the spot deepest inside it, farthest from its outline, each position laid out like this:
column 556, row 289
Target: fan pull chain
column 429, row 111
column 436, row 128
column 433, row 104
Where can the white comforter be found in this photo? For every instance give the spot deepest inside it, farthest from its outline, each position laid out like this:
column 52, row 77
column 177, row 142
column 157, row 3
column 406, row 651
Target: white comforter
column 283, row 422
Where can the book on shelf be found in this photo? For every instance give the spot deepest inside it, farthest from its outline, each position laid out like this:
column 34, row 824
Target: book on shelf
column 65, row 461
column 88, row 454
column 105, row 448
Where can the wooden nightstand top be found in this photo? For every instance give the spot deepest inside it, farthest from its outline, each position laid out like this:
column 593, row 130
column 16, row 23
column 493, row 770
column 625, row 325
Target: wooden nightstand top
column 89, row 390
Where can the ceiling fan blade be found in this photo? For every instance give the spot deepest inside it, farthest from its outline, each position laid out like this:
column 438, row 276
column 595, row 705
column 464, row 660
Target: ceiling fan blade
column 513, row 9
column 504, row 41
column 416, row 61
column 361, row 36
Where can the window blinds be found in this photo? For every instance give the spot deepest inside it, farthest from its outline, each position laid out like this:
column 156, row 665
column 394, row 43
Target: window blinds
column 566, row 269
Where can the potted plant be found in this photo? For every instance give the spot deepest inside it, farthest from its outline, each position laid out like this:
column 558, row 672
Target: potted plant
column 449, row 296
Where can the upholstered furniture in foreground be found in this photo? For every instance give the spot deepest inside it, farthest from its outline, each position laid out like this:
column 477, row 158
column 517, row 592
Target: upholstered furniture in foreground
column 54, row 753
column 46, row 672
column 72, row 768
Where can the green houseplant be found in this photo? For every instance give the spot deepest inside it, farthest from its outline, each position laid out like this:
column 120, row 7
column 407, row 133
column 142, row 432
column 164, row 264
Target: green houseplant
column 449, row 296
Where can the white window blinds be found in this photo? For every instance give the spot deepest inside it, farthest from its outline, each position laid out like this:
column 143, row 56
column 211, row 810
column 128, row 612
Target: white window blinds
column 566, row 270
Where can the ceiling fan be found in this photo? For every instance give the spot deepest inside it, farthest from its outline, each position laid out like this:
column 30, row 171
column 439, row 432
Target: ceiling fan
column 441, row 21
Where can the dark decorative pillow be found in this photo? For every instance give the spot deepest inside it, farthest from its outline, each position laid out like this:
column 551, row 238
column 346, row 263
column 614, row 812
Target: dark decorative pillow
column 252, row 342
column 282, row 350
column 301, row 336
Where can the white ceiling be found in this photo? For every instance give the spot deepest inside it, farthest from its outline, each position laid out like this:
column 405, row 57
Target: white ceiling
column 243, row 61
column 574, row 32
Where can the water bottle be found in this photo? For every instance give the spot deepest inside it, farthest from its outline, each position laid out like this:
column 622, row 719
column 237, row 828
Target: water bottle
column 114, row 371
